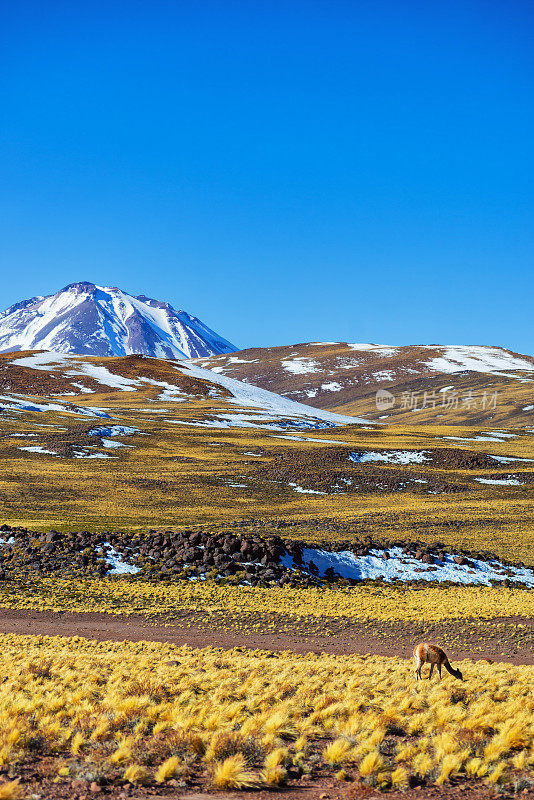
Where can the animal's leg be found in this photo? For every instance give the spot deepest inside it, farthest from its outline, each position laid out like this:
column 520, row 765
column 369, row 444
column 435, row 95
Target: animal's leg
column 439, row 671
column 431, row 671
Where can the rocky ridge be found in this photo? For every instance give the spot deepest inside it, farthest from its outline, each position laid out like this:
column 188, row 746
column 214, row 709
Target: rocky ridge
column 247, row 558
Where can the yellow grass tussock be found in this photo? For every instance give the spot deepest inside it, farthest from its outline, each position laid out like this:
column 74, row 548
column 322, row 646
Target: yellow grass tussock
column 219, row 714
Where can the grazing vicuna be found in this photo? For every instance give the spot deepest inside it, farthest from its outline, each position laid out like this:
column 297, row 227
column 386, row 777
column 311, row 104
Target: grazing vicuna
column 426, row 653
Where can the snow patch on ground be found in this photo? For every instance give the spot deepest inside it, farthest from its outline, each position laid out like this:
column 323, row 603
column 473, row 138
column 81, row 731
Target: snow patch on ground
column 384, row 375
column 333, row 386
column 16, row 403
column 111, row 444
column 113, row 430
column 104, row 376
column 493, row 439
column 508, row 459
column 253, row 396
column 39, row 449
column 384, row 350
column 83, row 389
column 300, row 490
column 42, row 361
column 512, row 481
column 392, row 456
column 400, row 566
column 309, row 439
column 300, row 366
column 85, row 454
column 117, row 565
column 476, row 359
column 89, row 411
column 251, row 420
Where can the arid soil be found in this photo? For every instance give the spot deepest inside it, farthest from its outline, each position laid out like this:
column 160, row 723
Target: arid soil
column 498, row 640
column 323, row 788
column 306, row 788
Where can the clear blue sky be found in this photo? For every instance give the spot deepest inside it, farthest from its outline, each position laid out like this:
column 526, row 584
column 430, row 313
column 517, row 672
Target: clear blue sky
column 287, row 171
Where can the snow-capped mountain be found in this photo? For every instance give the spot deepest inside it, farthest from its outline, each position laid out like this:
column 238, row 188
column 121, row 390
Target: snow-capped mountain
column 104, row 321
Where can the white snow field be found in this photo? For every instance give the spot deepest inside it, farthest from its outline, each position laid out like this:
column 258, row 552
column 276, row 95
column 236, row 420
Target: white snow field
column 309, row 439
column 300, row 365
column 459, row 358
column 6, row 541
column 392, row 456
column 511, row 481
column 246, row 395
column 332, row 386
column 400, row 566
column 17, row 403
column 384, row 350
column 113, row 430
column 39, row 449
column 507, row 459
column 116, row 563
column 86, row 454
column 300, row 490
column 498, row 439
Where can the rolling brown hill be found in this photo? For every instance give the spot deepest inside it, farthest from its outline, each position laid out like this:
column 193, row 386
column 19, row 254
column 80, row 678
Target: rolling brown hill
column 428, row 383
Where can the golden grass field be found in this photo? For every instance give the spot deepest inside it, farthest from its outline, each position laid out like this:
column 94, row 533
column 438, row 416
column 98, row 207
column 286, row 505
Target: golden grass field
column 146, row 713
column 364, row 603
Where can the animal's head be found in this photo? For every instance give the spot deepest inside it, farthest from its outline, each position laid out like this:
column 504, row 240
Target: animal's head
column 459, row 675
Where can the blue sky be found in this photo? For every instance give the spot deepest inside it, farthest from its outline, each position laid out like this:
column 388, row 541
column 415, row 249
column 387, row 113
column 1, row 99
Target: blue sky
column 287, row 171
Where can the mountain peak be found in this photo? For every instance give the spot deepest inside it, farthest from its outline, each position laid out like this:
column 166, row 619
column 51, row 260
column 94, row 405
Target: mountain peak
column 88, row 319
column 79, row 286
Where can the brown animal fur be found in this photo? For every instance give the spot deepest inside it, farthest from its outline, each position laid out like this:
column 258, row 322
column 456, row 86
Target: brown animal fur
column 426, row 653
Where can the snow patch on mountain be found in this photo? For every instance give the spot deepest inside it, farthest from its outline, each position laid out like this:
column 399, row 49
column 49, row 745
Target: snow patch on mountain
column 477, row 359
column 245, row 394
column 277, row 412
column 300, row 366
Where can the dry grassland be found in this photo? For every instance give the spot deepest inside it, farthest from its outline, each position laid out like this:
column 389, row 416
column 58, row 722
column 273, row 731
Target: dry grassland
column 177, row 475
column 145, row 713
column 378, row 602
